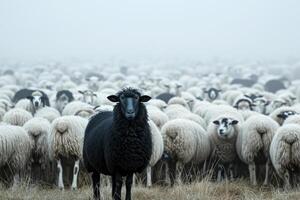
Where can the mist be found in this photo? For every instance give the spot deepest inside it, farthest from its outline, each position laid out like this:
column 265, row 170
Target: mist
column 169, row 29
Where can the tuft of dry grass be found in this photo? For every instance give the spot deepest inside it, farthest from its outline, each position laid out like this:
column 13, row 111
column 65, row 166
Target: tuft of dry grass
column 204, row 190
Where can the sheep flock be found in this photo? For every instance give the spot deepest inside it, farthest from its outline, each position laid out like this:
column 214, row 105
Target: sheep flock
column 209, row 121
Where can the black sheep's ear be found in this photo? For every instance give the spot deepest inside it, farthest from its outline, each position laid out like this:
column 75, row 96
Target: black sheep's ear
column 81, row 92
column 234, row 122
column 281, row 116
column 216, row 122
column 145, row 98
column 95, row 95
column 30, row 98
column 113, row 98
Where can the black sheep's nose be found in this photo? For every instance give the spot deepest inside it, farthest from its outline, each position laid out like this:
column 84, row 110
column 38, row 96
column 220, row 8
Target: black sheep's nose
column 131, row 111
column 221, row 132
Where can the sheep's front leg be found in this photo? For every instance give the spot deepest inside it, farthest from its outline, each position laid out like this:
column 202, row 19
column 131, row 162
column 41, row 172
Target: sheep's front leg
column 252, row 172
column 149, row 178
column 60, row 175
column 219, row 176
column 75, row 175
column 266, row 181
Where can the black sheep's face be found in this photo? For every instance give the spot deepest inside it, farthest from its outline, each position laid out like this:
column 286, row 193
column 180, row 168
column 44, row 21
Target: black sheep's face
column 284, row 115
column 129, row 104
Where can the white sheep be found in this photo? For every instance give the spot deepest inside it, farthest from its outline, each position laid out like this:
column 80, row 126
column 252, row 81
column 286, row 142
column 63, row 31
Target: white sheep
column 157, row 150
column 223, row 131
column 253, row 143
column 17, row 117
column 48, row 113
column 186, row 142
column 282, row 113
column 66, row 141
column 38, row 129
column 284, row 152
column 16, row 147
column 75, row 106
column 157, row 116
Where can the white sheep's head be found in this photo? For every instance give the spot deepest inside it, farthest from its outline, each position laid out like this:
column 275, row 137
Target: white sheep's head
column 225, row 127
column 88, row 96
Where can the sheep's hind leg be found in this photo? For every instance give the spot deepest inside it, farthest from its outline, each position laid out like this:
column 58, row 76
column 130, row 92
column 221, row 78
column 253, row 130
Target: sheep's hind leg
column 96, row 185
column 149, row 178
column 128, row 187
column 266, row 181
column 287, row 185
column 118, row 182
column 252, row 171
column 60, row 175
column 75, row 175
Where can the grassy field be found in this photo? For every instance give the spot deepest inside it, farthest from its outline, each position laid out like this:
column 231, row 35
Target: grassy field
column 239, row 189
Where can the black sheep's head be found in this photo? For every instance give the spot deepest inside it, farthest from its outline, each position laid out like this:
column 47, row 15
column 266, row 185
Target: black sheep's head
column 129, row 100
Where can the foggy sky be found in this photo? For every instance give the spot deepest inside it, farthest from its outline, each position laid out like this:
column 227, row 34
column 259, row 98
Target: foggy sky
column 259, row 29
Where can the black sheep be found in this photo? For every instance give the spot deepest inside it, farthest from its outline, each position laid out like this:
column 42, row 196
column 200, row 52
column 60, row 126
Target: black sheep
column 118, row 143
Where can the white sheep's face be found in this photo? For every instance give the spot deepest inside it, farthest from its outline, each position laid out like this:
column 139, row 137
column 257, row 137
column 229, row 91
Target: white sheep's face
column 225, row 127
column 88, row 96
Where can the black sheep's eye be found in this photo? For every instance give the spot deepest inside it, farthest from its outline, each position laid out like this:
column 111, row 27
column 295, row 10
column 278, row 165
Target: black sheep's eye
column 122, row 97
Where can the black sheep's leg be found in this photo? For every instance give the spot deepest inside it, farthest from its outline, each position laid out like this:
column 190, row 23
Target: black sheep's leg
column 129, row 179
column 96, row 185
column 172, row 171
column 119, row 182
column 113, row 182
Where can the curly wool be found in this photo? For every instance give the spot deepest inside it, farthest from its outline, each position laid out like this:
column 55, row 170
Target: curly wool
column 157, row 144
column 277, row 111
column 256, row 135
column 17, row 117
column 224, row 149
column 38, row 129
column 75, row 106
column 283, row 154
column 294, row 119
column 157, row 116
column 48, row 113
column 186, row 141
column 26, row 105
column 15, row 147
column 66, row 136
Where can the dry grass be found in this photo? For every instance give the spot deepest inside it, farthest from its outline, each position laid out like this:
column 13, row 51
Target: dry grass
column 201, row 190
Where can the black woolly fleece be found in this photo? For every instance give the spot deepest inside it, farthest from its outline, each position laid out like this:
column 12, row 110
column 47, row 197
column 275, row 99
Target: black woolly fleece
column 112, row 144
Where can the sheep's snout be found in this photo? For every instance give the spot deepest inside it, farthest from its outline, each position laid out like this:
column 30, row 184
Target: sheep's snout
column 290, row 139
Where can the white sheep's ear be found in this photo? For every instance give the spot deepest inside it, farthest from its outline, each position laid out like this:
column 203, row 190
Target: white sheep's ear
column 145, row 98
column 234, row 122
column 113, row 98
column 216, row 122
